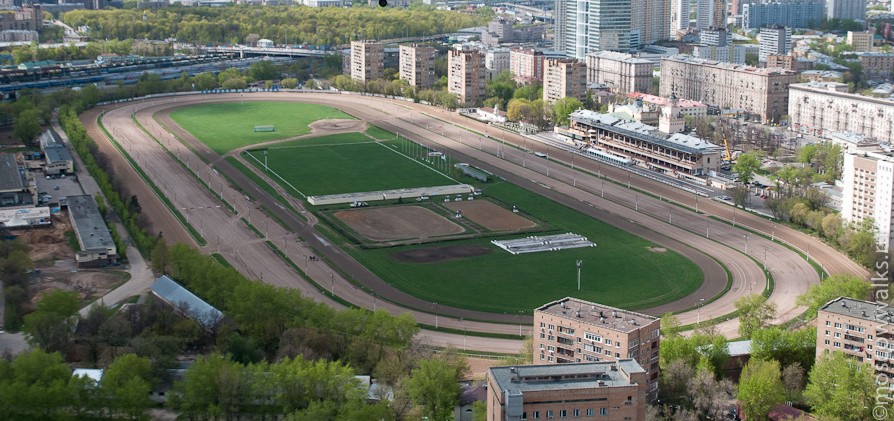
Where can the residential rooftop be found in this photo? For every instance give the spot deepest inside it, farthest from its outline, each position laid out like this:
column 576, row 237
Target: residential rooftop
column 860, row 309
column 91, row 228
column 529, row 378
column 614, row 55
column 11, row 177
column 730, row 66
column 597, row 314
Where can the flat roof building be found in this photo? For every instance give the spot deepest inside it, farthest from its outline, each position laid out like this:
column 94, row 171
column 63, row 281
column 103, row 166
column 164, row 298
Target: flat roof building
column 774, row 41
column 16, row 187
column 611, row 390
column 859, row 329
column 846, row 9
column 94, row 238
column 877, row 65
column 417, row 65
column 574, row 331
column 860, row 41
column 564, row 78
column 819, row 108
column 760, row 92
column 57, row 157
column 466, row 75
column 795, row 14
column 868, row 192
column 367, row 61
column 622, row 73
column 526, row 65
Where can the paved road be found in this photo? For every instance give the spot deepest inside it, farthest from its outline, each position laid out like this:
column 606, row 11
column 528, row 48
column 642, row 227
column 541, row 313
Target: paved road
column 641, row 214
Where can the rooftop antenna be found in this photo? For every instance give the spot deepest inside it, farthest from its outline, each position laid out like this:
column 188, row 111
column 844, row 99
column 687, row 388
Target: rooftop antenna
column 579, row 263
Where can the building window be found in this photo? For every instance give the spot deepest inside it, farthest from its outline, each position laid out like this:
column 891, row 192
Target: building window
column 827, row 333
column 524, row 415
column 549, row 414
column 563, row 413
column 603, row 411
column 837, row 325
column 536, row 415
column 575, row 412
column 608, row 342
column 827, row 343
column 590, row 412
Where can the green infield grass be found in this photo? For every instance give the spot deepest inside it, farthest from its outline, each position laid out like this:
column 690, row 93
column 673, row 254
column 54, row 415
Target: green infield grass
column 230, row 125
column 620, row 271
column 348, row 163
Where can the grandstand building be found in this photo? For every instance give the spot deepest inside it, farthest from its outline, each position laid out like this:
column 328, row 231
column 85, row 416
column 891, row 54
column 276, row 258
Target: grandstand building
column 680, row 155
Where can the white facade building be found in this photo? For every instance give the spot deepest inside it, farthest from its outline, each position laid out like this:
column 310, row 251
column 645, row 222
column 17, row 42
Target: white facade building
column 774, row 41
column 869, row 192
column 820, row 108
column 593, row 25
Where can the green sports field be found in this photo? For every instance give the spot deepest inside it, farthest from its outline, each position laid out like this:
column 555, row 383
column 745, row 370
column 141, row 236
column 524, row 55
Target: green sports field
column 620, row 271
column 227, row 126
column 348, row 163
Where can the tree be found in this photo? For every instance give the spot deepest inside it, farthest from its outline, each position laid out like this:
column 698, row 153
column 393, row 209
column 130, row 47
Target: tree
column 760, row 387
column 674, row 382
column 289, row 83
column 128, row 382
column 433, row 386
column 840, row 387
column 709, row 396
column 755, row 312
column 793, row 377
column 740, row 194
column 263, row 70
column 28, row 126
column 835, row 286
column 51, row 325
column 562, row 108
column 786, row 346
column 746, row 164
column 159, row 256
column 518, row 109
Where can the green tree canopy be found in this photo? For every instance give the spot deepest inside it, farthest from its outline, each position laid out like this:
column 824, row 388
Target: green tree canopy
column 755, row 312
column 842, row 388
column 760, row 387
column 433, row 386
column 835, row 286
column 746, row 165
column 563, row 108
column 786, row 346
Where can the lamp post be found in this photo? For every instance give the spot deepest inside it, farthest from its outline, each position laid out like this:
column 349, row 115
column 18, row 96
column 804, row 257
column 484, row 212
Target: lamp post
column 698, row 312
column 463, row 321
column 520, row 317
column 435, row 306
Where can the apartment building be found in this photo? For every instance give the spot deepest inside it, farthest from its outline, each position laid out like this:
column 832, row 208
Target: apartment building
column 846, row 9
column 860, row 329
column 608, row 390
column 761, row 92
column 466, row 75
column 651, row 19
column 367, row 61
column 687, row 108
column 820, row 108
column 496, row 60
column 860, row 41
column 774, row 41
column 417, row 65
column 868, row 191
column 710, row 14
column 786, row 62
column 622, row 73
column 526, row 65
column 564, row 78
column 732, row 53
column 877, row 65
column 795, row 14
column 574, row 331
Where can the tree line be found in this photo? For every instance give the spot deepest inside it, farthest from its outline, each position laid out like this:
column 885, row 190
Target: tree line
column 319, row 26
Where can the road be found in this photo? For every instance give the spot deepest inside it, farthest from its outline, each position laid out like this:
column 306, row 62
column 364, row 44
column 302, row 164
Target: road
column 694, row 235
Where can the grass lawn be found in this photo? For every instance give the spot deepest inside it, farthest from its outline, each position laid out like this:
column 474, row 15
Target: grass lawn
column 227, row 126
column 621, row 271
column 347, row 163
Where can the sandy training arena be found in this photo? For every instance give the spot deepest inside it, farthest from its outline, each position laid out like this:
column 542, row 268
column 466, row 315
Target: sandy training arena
column 439, row 254
column 490, row 215
column 398, row 223
column 337, row 126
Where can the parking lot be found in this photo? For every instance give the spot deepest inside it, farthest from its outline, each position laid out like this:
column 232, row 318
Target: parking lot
column 56, row 188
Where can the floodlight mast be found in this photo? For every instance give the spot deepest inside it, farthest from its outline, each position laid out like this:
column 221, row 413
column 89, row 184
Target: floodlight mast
column 579, row 263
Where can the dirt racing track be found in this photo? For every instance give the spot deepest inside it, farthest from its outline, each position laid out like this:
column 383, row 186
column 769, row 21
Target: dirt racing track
column 700, row 237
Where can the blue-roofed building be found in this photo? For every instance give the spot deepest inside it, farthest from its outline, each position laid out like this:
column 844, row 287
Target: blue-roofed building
column 185, row 301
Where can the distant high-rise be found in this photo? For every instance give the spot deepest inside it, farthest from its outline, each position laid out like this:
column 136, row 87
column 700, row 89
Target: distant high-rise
column 795, row 14
column 466, row 75
column 846, row 9
column 711, row 14
column 417, row 65
column 652, row 19
column 679, row 15
column 592, row 25
column 774, row 41
column 367, row 61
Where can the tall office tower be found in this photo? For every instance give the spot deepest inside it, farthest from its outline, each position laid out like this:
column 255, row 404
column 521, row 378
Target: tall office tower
column 417, row 65
column 562, row 78
column 466, row 75
column 651, row 18
column 560, row 13
column 796, row 14
column 594, row 25
column 846, row 9
column 774, row 41
column 367, row 61
column 711, row 14
column 679, row 16
column 716, row 37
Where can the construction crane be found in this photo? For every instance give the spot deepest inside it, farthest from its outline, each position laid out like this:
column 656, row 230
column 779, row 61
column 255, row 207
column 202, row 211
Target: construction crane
column 729, row 154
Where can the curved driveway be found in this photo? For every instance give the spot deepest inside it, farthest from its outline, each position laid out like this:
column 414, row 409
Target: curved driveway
column 654, row 219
